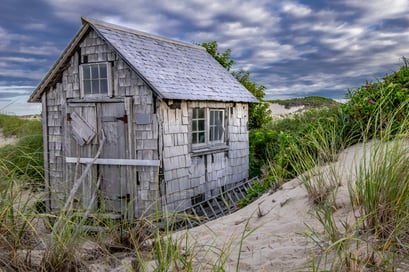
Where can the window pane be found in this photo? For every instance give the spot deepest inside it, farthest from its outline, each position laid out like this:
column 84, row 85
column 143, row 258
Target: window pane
column 219, row 118
column 94, row 71
column 86, row 72
column 95, row 86
column 103, row 84
column 212, row 113
column 87, row 87
column 103, row 71
column 201, row 125
column 216, row 125
column 211, row 134
column 201, row 113
column 194, row 125
column 198, row 126
column 201, row 137
column 219, row 133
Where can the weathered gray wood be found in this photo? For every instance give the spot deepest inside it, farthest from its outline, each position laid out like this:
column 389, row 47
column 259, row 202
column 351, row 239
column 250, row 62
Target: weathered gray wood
column 82, row 131
column 103, row 161
column 45, row 150
column 131, row 171
column 95, row 100
column 77, row 184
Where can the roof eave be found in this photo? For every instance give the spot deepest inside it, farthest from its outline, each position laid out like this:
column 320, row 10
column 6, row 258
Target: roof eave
column 57, row 68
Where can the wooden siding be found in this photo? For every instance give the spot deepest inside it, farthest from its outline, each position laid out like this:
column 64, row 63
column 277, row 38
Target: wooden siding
column 139, row 133
column 189, row 172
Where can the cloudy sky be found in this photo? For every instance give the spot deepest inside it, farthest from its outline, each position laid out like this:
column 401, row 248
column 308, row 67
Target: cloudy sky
column 294, row 48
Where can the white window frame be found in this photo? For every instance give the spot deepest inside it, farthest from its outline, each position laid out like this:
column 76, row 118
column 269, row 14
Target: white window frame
column 208, row 127
column 197, row 131
column 109, row 80
column 215, row 125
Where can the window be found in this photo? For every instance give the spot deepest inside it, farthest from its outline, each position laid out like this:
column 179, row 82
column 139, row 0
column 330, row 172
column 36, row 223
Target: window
column 198, row 126
column 207, row 126
column 95, row 79
column 216, row 125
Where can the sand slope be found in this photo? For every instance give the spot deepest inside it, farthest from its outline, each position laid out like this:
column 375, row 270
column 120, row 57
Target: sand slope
column 277, row 220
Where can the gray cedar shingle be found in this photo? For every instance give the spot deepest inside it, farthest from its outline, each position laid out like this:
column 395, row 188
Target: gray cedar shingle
column 173, row 69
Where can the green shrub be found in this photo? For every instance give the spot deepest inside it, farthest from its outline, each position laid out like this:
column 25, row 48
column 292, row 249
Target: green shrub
column 375, row 106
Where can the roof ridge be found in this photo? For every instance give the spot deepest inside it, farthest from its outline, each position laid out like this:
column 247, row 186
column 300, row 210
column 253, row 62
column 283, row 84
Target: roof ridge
column 93, row 21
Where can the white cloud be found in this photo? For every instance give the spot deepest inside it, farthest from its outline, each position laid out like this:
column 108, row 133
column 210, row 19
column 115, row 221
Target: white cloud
column 377, row 10
column 21, row 60
column 35, row 26
column 22, row 73
column 288, row 46
column 296, row 10
column 45, row 50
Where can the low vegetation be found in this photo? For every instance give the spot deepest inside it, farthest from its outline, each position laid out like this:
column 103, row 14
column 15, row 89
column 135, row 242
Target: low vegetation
column 308, row 102
column 24, row 160
column 378, row 237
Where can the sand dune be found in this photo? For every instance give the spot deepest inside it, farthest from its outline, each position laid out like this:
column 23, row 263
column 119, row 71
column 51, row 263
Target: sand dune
column 277, row 221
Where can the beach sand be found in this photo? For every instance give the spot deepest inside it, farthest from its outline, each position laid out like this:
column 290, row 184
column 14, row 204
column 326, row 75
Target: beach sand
column 279, row 111
column 275, row 223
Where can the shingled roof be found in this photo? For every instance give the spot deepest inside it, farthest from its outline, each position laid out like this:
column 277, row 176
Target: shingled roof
column 173, row 69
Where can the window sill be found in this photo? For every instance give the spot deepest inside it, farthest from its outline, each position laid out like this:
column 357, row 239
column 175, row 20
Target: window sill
column 204, row 150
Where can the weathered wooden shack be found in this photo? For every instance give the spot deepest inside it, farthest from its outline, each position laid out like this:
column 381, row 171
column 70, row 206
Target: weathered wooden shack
column 158, row 120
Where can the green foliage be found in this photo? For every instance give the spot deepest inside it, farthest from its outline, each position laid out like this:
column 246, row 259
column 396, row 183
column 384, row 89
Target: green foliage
column 380, row 104
column 222, row 57
column 259, row 113
column 244, row 78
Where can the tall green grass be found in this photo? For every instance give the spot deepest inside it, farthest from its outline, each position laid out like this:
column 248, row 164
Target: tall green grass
column 24, row 159
column 378, row 239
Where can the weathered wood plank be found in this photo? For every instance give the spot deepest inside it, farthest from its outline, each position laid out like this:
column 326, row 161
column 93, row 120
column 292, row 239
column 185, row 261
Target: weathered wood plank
column 103, row 161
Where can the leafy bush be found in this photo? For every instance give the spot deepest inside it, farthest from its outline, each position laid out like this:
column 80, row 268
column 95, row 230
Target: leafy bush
column 381, row 104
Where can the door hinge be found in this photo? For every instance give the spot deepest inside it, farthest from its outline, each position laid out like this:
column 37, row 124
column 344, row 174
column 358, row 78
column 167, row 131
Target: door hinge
column 69, row 117
column 126, row 197
column 123, row 118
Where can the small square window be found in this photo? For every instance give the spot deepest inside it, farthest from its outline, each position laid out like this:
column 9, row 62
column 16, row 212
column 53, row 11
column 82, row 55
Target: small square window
column 96, row 79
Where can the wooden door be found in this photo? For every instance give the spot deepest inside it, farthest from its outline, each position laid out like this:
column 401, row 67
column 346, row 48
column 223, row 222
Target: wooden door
column 114, row 191
column 85, row 123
